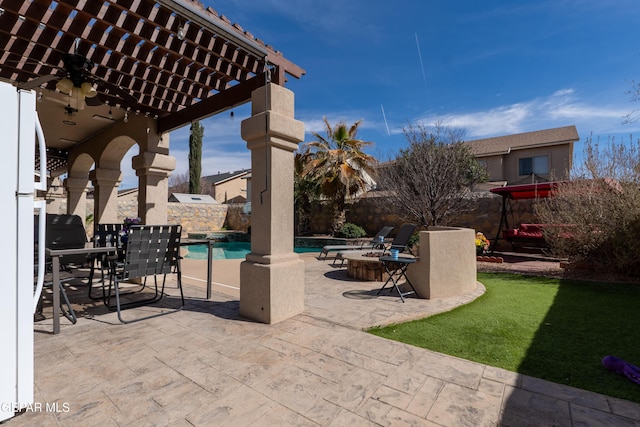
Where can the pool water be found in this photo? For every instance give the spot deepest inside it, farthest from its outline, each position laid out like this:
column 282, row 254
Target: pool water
column 231, row 250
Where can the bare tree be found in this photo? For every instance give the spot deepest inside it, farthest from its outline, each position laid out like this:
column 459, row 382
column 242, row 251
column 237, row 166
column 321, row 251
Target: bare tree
column 634, row 93
column 179, row 183
column 428, row 180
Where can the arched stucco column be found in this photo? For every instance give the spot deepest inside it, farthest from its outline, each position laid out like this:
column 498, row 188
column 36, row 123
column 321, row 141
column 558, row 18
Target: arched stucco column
column 153, row 170
column 105, row 194
column 272, row 277
column 77, row 196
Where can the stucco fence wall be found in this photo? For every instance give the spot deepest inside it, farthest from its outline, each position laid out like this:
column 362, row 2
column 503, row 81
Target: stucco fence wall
column 482, row 214
column 371, row 213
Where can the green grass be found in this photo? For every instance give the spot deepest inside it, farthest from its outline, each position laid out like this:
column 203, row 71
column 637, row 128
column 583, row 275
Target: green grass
column 547, row 328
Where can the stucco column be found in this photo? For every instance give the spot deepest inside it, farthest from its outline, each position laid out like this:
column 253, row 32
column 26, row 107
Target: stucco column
column 105, row 194
column 77, row 196
column 153, row 171
column 272, row 277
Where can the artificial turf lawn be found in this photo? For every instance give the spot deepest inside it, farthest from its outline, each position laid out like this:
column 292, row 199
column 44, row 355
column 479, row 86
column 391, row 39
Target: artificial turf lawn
column 547, row 328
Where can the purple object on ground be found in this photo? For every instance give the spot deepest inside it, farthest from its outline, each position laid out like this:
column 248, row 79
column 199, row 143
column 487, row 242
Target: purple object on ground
column 621, row 367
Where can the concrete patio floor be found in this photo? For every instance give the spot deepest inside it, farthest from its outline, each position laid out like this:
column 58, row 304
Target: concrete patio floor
column 206, row 366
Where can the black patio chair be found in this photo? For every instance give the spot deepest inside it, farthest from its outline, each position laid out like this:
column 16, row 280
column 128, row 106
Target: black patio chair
column 151, row 250
column 377, row 242
column 400, row 242
column 105, row 235
column 63, row 232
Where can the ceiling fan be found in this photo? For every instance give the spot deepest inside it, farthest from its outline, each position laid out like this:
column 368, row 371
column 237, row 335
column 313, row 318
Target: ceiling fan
column 81, row 86
column 77, row 83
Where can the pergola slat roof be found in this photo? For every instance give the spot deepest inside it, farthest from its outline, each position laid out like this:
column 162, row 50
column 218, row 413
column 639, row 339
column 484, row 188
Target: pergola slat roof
column 140, row 63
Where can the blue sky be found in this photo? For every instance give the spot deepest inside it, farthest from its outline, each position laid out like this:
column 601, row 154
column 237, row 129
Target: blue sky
column 492, row 68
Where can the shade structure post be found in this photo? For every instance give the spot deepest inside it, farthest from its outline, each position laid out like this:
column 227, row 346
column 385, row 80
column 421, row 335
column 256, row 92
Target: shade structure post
column 272, row 277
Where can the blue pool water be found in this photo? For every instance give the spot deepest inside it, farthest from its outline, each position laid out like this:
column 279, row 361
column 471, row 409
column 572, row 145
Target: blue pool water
column 231, row 250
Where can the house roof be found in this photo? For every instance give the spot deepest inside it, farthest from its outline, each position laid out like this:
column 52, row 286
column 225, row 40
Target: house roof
column 505, row 144
column 226, row 176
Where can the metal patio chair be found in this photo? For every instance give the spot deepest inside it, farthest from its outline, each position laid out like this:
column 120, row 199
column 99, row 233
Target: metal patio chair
column 376, row 242
column 63, row 232
column 151, row 250
column 105, row 235
column 400, row 242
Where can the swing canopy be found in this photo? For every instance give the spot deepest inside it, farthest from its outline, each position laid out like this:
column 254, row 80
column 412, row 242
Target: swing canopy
column 527, row 191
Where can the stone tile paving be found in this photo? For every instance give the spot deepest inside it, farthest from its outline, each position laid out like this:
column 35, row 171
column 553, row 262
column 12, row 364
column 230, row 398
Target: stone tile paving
column 205, row 366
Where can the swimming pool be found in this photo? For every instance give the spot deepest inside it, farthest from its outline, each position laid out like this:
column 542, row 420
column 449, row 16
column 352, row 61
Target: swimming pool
column 231, row 250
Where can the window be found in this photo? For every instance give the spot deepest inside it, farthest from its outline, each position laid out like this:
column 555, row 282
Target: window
column 538, row 165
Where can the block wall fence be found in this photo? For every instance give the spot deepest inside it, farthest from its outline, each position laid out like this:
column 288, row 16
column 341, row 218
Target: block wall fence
column 371, row 213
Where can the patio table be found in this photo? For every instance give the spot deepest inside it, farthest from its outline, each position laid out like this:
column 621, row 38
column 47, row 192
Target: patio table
column 55, row 255
column 397, row 268
column 209, row 243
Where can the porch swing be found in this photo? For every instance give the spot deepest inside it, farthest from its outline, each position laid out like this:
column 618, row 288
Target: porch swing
column 526, row 234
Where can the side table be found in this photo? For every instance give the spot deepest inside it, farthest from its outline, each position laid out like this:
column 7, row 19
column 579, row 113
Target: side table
column 397, row 268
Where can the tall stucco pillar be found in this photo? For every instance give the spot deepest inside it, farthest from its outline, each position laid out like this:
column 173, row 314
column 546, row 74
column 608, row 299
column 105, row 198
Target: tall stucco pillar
column 77, row 196
column 153, row 171
column 272, row 277
column 105, row 194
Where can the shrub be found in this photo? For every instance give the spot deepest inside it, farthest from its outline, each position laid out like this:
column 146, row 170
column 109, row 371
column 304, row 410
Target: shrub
column 351, row 231
column 414, row 240
column 599, row 211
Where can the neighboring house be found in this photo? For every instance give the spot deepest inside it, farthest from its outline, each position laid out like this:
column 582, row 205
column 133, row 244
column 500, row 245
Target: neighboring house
column 128, row 195
column 229, row 187
column 527, row 157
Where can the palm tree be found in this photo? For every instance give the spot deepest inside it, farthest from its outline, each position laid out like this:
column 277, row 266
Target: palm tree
column 340, row 167
column 306, row 190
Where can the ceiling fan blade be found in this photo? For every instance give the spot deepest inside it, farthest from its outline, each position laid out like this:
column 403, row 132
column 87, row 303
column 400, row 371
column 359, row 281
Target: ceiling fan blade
column 114, row 91
column 93, row 102
column 38, row 81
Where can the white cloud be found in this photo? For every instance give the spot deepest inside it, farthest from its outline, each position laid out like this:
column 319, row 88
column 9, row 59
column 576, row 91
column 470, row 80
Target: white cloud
column 561, row 108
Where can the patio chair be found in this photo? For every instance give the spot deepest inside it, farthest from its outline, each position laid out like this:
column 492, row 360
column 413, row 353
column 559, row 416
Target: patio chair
column 63, row 232
column 151, row 250
column 400, row 242
column 376, row 242
column 105, row 235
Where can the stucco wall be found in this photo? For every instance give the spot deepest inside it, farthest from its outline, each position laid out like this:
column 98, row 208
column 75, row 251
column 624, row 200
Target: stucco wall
column 559, row 162
column 483, row 215
column 504, row 167
column 447, row 263
column 231, row 189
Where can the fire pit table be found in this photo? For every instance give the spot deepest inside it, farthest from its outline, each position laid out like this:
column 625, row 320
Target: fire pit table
column 365, row 265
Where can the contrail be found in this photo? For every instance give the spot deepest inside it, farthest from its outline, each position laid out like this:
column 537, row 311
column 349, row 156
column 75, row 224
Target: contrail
column 385, row 120
column 424, row 75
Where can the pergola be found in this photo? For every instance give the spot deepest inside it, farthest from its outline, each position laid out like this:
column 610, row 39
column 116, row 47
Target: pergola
column 158, row 65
